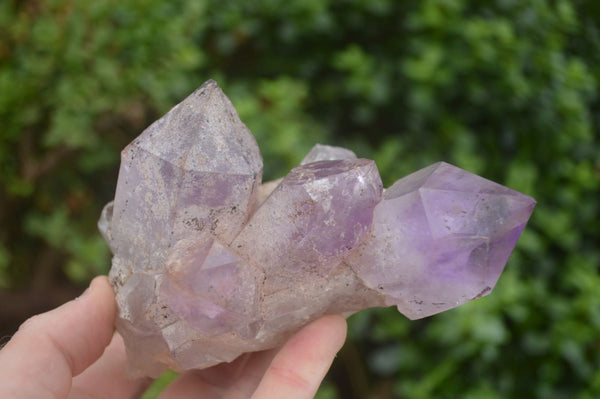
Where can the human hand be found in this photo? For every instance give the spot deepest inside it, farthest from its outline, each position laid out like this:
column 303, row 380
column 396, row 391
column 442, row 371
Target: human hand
column 73, row 352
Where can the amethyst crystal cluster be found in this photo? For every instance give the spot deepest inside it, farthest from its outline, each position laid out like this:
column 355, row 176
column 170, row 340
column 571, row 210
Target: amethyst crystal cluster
column 209, row 263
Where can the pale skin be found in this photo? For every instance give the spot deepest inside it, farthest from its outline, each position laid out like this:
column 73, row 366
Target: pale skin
column 73, row 352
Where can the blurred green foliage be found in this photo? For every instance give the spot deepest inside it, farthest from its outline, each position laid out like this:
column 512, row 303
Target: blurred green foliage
column 506, row 88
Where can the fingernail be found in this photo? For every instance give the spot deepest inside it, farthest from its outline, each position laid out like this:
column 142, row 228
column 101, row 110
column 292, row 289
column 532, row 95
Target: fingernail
column 86, row 292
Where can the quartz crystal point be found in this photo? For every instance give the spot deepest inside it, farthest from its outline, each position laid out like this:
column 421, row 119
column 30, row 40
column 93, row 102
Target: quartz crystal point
column 440, row 237
column 311, row 221
column 209, row 264
column 322, row 152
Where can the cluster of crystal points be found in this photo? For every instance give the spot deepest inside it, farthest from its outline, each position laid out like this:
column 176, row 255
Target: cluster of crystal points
column 209, row 264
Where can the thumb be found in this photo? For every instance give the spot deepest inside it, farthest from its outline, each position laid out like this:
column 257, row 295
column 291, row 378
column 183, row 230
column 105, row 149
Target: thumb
column 50, row 349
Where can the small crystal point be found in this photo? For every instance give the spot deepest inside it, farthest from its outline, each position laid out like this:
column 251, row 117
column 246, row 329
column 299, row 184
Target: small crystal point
column 321, row 152
column 104, row 223
column 209, row 286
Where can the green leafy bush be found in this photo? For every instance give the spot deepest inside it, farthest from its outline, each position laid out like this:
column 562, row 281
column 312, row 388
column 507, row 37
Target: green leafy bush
column 505, row 88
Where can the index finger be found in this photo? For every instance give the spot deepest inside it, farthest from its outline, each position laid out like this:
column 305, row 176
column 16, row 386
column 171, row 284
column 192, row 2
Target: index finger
column 299, row 367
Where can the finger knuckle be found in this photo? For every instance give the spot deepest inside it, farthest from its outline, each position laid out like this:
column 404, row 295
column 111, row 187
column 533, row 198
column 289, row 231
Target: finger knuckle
column 291, row 378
